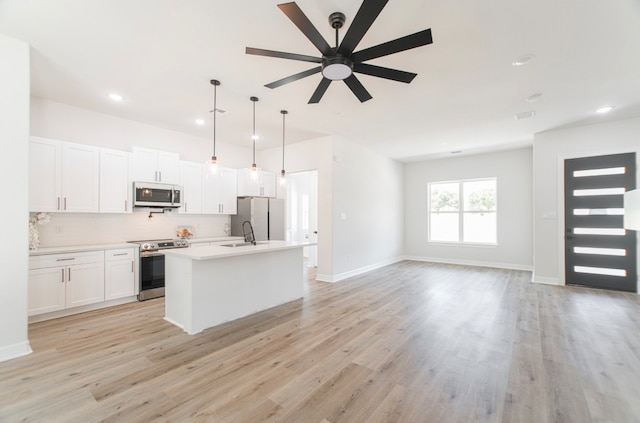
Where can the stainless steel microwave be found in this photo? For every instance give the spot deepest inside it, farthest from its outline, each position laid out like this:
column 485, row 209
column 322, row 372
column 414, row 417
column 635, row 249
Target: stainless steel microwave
column 149, row 194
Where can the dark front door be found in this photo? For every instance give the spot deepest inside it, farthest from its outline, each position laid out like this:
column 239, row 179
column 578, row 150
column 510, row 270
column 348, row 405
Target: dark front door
column 599, row 253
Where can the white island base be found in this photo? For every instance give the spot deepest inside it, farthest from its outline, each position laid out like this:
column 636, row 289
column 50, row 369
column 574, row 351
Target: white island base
column 207, row 286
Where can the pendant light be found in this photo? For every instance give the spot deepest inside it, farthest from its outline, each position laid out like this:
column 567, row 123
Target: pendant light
column 254, row 167
column 283, row 179
column 214, row 160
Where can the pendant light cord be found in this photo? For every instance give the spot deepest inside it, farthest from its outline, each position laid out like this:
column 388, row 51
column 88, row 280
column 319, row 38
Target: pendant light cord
column 254, row 99
column 284, row 113
column 215, row 84
column 215, row 112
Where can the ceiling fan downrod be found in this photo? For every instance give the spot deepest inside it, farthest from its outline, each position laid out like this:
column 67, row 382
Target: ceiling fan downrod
column 337, row 19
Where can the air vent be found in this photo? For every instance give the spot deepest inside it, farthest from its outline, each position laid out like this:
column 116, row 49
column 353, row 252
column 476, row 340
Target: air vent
column 219, row 111
column 524, row 115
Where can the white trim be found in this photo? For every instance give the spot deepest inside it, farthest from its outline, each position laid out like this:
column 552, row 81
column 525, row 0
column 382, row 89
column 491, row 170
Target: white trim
column 508, row 266
column 351, row 273
column 20, row 349
column 81, row 309
column 546, row 280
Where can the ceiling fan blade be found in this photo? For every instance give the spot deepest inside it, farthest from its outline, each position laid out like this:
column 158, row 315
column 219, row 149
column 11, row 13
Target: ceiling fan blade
column 292, row 78
column 368, row 12
column 386, row 73
column 358, row 89
column 282, row 55
column 319, row 92
column 399, row 44
column 295, row 14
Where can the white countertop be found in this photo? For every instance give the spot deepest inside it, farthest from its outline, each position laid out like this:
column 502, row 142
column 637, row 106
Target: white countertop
column 214, row 239
column 115, row 246
column 79, row 248
column 218, row 251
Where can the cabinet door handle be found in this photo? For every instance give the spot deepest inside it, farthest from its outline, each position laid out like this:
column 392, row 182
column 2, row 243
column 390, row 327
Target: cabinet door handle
column 120, row 254
column 58, row 208
column 186, row 207
column 62, row 275
column 131, row 266
column 126, row 205
column 65, row 203
column 69, row 279
column 160, row 173
column 66, row 259
column 155, row 178
column 221, row 208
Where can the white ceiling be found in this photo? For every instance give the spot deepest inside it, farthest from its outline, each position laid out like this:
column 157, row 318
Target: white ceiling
column 161, row 54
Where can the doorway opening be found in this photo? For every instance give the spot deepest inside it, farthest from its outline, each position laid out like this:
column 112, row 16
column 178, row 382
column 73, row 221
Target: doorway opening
column 599, row 252
column 302, row 212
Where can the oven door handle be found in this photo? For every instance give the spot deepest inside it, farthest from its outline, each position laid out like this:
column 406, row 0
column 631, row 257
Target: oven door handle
column 150, row 254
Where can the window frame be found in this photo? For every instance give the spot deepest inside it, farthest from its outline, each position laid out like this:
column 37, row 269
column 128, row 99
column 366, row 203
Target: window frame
column 461, row 213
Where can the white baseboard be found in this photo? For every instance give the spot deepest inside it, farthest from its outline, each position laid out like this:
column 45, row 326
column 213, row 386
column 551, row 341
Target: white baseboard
column 546, row 280
column 81, row 309
column 508, row 266
column 14, row 351
column 356, row 272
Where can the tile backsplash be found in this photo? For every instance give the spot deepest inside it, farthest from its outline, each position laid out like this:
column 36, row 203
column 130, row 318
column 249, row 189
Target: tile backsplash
column 66, row 229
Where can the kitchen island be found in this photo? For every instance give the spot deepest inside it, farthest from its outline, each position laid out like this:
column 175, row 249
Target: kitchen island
column 210, row 285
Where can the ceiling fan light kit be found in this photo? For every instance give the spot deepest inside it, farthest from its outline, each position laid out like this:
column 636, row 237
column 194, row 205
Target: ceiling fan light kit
column 340, row 63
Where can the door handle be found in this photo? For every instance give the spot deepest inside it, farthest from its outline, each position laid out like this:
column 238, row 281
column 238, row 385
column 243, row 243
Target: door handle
column 62, row 275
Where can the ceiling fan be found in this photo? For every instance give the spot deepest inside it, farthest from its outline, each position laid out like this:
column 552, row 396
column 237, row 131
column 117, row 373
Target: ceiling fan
column 339, row 63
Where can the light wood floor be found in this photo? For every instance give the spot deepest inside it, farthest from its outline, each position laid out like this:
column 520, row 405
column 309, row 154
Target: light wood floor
column 412, row 342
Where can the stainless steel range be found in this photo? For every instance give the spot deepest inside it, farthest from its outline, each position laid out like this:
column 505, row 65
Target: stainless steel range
column 152, row 265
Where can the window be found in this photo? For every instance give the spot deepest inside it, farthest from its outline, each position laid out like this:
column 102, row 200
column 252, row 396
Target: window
column 463, row 211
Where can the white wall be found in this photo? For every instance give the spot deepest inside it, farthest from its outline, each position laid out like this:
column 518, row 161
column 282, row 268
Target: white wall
column 316, row 154
column 14, row 135
column 67, row 123
column 368, row 191
column 513, row 169
column 549, row 150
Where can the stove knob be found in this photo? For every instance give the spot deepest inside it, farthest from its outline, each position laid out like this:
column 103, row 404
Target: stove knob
column 145, row 246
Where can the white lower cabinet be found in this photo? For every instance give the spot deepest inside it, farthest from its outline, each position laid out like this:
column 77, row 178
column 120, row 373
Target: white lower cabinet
column 60, row 281
column 119, row 273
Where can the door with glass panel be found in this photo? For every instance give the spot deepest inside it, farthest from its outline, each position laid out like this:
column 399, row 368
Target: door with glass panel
column 599, row 253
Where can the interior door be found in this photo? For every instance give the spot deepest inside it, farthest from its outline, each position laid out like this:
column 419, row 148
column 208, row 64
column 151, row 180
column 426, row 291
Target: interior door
column 599, row 252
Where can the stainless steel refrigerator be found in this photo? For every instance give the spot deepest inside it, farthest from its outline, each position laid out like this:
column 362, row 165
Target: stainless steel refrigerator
column 265, row 214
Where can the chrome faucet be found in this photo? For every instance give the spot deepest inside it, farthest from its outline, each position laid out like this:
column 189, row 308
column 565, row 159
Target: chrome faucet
column 248, row 236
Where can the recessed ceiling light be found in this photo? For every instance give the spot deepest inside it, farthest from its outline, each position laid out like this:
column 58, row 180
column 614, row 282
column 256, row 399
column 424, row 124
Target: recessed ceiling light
column 604, row 109
column 533, row 97
column 116, row 97
column 200, row 122
column 525, row 115
column 523, row 60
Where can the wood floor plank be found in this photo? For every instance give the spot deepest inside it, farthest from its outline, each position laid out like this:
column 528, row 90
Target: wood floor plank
column 410, row 342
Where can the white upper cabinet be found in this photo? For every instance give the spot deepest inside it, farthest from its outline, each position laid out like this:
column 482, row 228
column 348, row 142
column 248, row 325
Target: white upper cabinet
column 191, row 180
column 263, row 184
column 156, row 166
column 63, row 177
column 220, row 192
column 45, row 175
column 80, row 178
column 115, row 184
